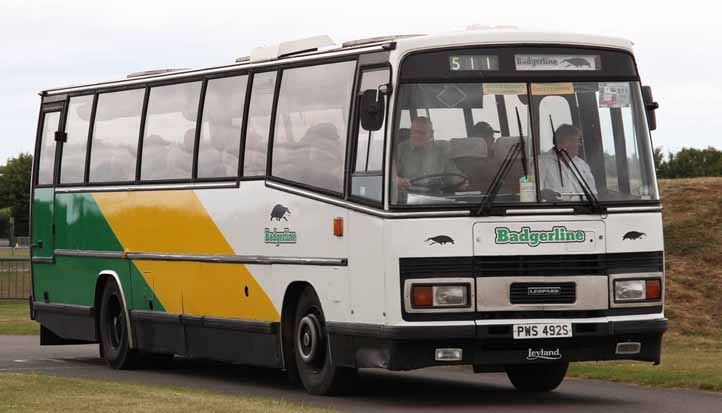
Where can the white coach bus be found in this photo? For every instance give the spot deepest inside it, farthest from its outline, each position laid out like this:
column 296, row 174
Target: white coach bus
column 483, row 198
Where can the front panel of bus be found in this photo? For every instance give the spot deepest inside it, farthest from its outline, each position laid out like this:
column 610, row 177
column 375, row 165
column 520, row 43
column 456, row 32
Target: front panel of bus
column 552, row 245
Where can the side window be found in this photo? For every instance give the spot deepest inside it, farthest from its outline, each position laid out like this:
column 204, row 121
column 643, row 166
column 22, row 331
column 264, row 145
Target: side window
column 367, row 176
column 170, row 130
column 77, row 125
column 221, row 127
column 114, row 144
column 46, row 161
column 309, row 144
column 259, row 124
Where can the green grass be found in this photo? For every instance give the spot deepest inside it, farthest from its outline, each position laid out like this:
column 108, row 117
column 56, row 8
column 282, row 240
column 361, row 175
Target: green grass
column 691, row 362
column 38, row 393
column 15, row 319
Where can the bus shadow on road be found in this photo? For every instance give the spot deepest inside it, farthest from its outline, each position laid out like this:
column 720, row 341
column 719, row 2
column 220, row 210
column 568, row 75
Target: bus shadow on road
column 423, row 388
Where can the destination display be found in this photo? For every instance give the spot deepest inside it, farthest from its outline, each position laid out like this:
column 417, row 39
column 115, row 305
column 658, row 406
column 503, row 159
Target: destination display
column 473, row 63
column 531, row 62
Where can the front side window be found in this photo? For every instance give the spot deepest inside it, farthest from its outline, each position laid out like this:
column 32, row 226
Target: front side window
column 170, row 130
column 309, row 144
column 452, row 145
column 116, row 129
column 367, row 176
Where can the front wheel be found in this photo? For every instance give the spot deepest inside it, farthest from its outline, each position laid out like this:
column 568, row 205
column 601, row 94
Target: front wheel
column 113, row 326
column 315, row 368
column 537, row 377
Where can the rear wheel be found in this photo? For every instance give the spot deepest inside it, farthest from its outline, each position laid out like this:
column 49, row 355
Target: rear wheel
column 114, row 334
column 537, row 377
column 310, row 349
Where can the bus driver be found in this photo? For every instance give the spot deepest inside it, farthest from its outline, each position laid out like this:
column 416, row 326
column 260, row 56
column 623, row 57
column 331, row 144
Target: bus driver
column 420, row 157
column 563, row 184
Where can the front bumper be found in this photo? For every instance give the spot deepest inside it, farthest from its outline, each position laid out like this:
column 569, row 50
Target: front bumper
column 489, row 347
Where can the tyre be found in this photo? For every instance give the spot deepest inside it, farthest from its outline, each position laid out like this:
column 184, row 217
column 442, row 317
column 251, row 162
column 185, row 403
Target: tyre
column 113, row 329
column 537, row 377
column 316, row 370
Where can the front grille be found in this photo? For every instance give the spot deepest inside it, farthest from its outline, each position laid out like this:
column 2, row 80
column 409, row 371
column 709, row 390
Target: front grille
column 566, row 265
column 543, row 293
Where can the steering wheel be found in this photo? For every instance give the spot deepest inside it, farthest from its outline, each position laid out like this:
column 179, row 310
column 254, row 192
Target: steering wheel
column 437, row 182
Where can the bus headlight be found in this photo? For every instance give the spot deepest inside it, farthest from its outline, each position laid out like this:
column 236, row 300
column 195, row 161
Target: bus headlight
column 637, row 290
column 456, row 295
column 430, row 296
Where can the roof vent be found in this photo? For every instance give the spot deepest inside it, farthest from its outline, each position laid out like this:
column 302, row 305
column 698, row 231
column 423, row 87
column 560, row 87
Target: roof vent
column 243, row 59
column 378, row 39
column 153, row 72
column 289, row 48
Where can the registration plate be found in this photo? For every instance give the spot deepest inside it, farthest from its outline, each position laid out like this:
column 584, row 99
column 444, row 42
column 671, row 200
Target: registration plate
column 546, row 330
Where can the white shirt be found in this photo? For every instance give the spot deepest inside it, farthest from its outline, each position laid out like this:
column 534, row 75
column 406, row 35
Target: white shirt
column 571, row 190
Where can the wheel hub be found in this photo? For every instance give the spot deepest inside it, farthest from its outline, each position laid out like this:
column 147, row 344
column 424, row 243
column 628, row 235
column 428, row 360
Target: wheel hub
column 309, row 338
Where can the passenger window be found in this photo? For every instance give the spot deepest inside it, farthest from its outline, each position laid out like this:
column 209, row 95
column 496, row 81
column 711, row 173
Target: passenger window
column 170, row 130
column 309, row 144
column 77, row 125
column 47, row 148
column 367, row 178
column 114, row 144
column 259, row 124
column 221, row 127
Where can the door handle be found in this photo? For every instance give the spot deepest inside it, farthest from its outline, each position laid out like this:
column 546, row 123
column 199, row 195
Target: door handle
column 38, row 244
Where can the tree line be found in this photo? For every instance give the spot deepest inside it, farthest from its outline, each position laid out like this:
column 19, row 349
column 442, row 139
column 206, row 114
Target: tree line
column 15, row 195
column 688, row 163
column 15, row 181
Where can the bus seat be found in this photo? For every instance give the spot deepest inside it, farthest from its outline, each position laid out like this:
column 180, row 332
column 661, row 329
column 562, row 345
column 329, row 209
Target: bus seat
column 503, row 144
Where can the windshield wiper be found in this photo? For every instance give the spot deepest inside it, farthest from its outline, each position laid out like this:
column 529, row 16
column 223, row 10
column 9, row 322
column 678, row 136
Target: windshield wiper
column 509, row 159
column 563, row 155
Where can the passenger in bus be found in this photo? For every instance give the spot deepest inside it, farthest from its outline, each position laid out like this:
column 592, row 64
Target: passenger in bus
column 420, row 156
column 564, row 186
column 484, row 131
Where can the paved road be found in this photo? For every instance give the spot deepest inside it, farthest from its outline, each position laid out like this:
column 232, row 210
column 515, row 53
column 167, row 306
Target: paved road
column 437, row 389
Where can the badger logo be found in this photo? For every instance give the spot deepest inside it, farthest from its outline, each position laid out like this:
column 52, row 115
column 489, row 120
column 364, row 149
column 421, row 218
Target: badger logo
column 280, row 212
column 633, row 235
column 440, row 239
column 577, row 62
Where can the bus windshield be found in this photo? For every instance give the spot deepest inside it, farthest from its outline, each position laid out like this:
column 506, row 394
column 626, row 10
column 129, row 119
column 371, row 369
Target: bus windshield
column 461, row 142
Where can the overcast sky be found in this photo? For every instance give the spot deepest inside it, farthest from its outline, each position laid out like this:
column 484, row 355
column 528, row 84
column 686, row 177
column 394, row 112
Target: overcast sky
column 48, row 43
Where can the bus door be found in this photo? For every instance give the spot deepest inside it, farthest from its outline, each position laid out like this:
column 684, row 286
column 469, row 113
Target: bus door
column 48, row 141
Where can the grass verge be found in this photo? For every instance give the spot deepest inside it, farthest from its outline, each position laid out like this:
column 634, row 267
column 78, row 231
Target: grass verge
column 15, row 319
column 690, row 362
column 38, row 393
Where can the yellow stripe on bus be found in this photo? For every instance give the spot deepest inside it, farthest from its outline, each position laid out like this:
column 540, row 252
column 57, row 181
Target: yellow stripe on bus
column 176, row 222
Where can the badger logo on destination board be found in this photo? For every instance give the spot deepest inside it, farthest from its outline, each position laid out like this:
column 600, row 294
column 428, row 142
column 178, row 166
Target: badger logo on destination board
column 633, row 235
column 577, row 62
column 280, row 212
column 440, row 239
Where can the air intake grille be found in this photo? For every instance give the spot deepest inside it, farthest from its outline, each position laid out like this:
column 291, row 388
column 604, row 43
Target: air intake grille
column 543, row 293
column 533, row 265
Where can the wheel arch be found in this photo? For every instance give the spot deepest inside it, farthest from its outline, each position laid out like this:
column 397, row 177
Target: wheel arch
column 104, row 277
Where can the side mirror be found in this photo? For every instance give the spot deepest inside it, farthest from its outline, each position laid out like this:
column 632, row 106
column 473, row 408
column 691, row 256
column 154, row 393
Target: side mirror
column 372, row 109
column 650, row 106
